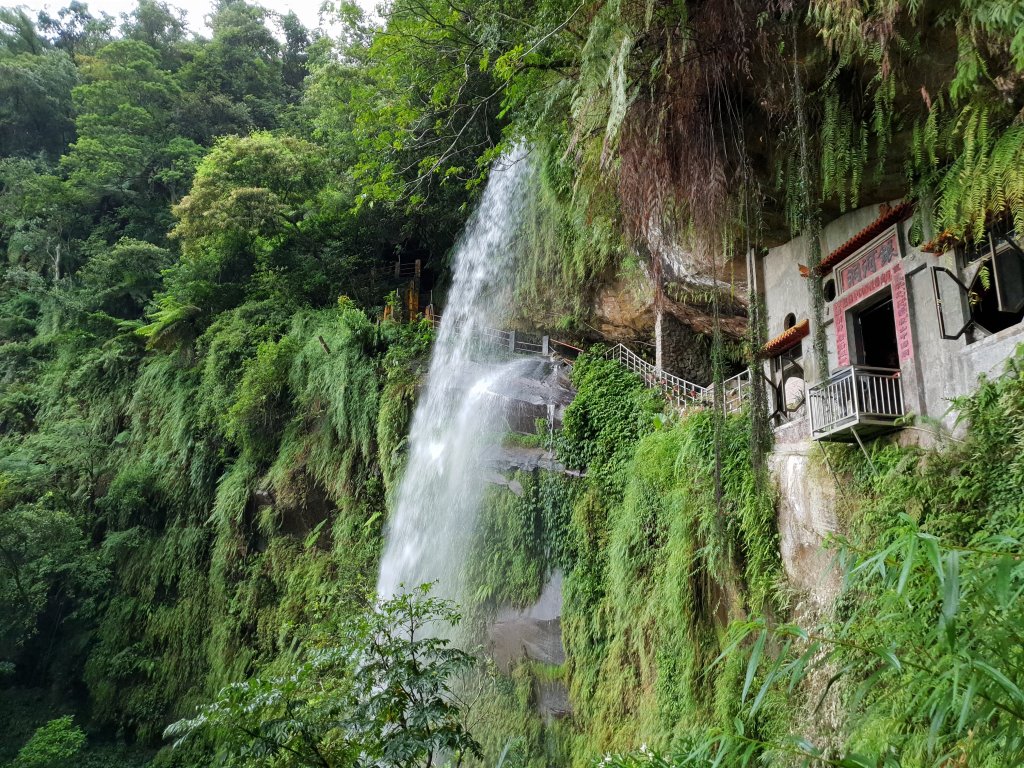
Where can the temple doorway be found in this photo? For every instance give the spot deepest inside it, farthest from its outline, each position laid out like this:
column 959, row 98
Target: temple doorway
column 875, row 330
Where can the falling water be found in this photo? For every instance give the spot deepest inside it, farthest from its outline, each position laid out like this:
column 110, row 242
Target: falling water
column 460, row 412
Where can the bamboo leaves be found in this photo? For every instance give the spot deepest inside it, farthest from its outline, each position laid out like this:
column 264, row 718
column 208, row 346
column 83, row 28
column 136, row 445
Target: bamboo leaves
column 961, row 675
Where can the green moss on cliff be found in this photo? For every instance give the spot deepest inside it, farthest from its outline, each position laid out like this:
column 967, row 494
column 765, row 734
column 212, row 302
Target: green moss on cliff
column 660, row 549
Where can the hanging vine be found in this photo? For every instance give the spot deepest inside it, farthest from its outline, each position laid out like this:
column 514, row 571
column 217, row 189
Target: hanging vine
column 809, row 216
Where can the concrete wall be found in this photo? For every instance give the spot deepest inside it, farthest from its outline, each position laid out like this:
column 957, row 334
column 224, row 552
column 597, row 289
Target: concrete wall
column 939, row 371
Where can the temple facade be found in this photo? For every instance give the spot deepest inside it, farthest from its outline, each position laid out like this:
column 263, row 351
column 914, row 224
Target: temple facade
column 907, row 329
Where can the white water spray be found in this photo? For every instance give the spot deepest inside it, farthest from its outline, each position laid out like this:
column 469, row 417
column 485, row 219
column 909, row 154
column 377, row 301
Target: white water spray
column 459, row 414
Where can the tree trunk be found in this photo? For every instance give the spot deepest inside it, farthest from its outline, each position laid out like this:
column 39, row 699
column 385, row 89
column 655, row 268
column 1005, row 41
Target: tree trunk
column 658, row 313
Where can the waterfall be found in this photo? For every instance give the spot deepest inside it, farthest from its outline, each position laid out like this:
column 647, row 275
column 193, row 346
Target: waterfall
column 460, row 414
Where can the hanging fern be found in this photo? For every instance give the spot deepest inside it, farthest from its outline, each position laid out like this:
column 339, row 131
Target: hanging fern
column 986, row 180
column 600, row 94
column 844, row 152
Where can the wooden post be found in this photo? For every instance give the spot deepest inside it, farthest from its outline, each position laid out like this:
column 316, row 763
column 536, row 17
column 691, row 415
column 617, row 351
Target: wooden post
column 512, row 341
column 544, row 345
column 398, row 268
column 412, row 301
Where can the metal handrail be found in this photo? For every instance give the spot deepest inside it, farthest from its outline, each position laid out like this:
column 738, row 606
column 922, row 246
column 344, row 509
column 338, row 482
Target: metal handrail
column 510, row 341
column 680, row 393
column 853, row 394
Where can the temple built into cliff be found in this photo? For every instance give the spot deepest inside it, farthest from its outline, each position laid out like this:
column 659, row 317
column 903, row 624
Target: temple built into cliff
column 907, row 329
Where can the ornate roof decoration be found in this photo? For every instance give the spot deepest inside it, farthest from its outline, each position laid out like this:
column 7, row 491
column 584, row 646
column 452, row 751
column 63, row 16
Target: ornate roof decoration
column 889, row 216
column 786, row 340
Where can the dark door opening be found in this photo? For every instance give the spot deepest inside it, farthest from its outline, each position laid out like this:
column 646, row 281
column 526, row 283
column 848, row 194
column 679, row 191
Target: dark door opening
column 875, row 328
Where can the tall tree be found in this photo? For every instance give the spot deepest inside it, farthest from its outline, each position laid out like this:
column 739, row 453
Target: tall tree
column 76, row 30
column 36, row 113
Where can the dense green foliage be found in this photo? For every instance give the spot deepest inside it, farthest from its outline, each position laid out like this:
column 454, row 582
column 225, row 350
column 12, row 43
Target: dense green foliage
column 189, row 394
column 54, row 744
column 921, row 657
column 203, row 413
column 661, row 561
column 370, row 688
column 675, row 625
column 660, row 547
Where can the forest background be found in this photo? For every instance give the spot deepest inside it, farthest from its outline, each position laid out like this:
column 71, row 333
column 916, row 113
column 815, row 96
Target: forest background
column 202, row 413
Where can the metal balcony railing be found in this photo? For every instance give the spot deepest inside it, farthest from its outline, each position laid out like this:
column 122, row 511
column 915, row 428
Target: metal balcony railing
column 855, row 402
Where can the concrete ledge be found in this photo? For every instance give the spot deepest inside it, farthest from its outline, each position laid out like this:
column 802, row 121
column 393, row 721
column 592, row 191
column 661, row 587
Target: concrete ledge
column 798, row 430
column 989, row 355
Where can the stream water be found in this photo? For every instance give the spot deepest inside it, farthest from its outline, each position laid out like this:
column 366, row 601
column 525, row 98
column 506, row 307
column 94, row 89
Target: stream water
column 460, row 413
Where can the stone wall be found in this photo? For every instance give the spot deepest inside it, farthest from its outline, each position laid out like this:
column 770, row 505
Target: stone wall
column 807, row 515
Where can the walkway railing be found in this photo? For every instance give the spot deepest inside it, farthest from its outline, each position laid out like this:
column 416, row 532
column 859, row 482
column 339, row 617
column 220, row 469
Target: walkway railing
column 680, row 393
column 408, row 268
column 515, row 342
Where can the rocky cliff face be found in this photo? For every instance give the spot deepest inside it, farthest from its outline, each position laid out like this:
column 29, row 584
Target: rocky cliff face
column 624, row 310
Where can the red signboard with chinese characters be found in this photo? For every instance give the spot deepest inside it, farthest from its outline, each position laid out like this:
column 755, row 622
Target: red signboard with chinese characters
column 871, row 270
column 873, row 258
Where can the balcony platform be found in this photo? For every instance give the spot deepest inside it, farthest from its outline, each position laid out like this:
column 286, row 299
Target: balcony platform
column 856, row 403
column 865, row 429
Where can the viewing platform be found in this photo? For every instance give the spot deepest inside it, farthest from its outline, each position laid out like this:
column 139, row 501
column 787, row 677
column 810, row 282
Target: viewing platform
column 856, row 402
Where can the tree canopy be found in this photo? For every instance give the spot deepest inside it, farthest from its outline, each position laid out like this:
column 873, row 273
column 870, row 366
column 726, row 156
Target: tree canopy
column 205, row 396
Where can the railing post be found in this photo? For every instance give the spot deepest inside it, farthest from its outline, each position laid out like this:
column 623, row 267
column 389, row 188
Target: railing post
column 544, row 345
column 511, row 341
column 856, row 395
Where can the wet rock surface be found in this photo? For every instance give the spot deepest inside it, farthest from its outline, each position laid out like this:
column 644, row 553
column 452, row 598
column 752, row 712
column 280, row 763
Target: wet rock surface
column 534, row 634
column 624, row 310
column 518, row 458
column 538, row 389
column 806, row 518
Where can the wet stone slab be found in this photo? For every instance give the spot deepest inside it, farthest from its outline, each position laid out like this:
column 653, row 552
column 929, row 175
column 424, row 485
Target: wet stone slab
column 534, row 634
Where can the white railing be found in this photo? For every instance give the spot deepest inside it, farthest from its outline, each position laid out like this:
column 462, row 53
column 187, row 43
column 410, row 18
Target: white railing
column 853, row 396
column 680, row 393
column 514, row 342
column 735, row 391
